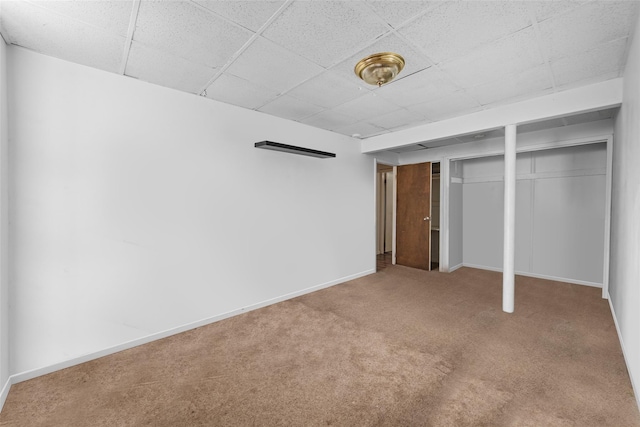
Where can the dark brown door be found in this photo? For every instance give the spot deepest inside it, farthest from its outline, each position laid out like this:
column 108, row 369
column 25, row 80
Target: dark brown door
column 413, row 216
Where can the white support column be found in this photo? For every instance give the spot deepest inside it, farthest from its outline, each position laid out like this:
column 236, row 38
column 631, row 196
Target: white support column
column 508, row 275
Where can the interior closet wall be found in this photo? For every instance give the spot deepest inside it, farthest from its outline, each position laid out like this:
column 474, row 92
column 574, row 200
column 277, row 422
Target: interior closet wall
column 560, row 213
column 456, row 223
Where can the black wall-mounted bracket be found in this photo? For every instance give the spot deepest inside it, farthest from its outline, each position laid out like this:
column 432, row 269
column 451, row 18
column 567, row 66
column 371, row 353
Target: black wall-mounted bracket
column 276, row 146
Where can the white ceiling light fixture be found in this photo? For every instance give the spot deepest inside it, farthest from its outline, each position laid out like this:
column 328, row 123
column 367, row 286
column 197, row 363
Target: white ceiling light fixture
column 379, row 68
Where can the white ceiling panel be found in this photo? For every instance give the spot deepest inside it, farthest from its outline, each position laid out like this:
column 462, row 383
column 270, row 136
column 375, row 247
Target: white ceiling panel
column 366, row 106
column 605, row 59
column 514, row 86
column 457, row 104
column 167, row 70
column 35, row 28
column 325, row 31
column 488, row 63
column 427, row 85
column 329, row 119
column 295, row 58
column 588, row 26
column 414, row 60
column 396, row 119
column 363, row 129
column 396, row 13
column 234, row 90
column 328, row 90
column 457, row 28
column 111, row 16
column 272, row 66
column 249, row 14
column 545, row 9
column 290, row 108
column 186, row 30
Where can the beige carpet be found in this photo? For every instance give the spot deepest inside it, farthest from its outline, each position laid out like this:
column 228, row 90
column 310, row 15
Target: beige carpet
column 401, row 347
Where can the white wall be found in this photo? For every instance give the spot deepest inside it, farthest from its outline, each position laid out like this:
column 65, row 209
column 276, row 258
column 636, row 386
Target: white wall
column 560, row 213
column 4, row 223
column 624, row 278
column 137, row 209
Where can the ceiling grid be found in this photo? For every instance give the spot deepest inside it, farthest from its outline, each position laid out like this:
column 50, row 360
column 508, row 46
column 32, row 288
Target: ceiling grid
column 294, row 59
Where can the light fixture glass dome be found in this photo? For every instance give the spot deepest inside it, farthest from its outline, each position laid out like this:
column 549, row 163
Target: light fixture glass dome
column 379, row 68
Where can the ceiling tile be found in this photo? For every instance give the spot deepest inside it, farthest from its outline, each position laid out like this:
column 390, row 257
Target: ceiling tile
column 249, row 14
column 397, row 12
column 167, row 70
column 290, row 108
column 55, row 35
column 606, row 59
column 457, row 104
column 517, row 52
column 533, row 81
column 414, row 60
column 430, row 84
column 457, row 28
column 325, row 31
column 587, row 26
column 365, row 106
column 543, row 10
column 185, row 30
column 269, row 65
column 234, row 90
column 327, row 90
column 363, row 129
column 329, row 120
column 112, row 16
column 396, row 119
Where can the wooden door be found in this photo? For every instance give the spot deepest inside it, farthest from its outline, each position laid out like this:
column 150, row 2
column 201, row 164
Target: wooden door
column 413, row 216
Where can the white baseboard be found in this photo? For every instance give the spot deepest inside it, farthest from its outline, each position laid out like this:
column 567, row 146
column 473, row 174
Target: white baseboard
column 5, row 392
column 27, row 375
column 636, row 390
column 537, row 276
column 455, row 267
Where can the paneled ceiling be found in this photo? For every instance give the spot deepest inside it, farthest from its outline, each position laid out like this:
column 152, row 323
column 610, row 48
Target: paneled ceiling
column 295, row 59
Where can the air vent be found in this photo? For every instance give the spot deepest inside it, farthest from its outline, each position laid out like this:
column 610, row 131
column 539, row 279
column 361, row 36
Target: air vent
column 276, row 146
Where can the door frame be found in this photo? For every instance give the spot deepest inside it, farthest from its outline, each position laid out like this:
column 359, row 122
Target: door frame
column 443, row 244
column 376, row 161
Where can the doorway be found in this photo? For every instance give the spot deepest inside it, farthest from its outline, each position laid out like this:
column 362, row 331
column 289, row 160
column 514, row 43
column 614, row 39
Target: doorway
column 384, row 215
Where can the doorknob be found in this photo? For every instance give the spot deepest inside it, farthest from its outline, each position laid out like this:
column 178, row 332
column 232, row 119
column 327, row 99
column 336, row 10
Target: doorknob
column 426, row 218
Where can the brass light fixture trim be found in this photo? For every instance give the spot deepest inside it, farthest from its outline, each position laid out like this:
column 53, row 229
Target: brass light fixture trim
column 379, row 68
